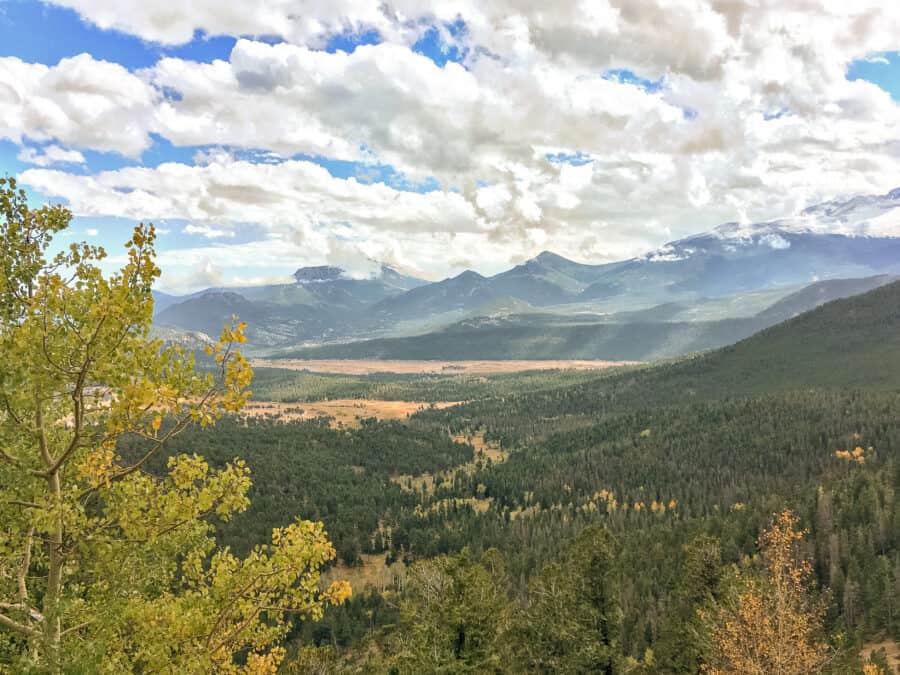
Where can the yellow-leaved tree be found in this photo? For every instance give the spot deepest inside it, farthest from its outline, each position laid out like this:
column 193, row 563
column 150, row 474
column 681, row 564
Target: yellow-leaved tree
column 771, row 625
column 104, row 567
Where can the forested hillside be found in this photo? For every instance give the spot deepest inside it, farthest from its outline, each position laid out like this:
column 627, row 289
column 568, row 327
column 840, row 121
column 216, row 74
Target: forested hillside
column 681, row 466
column 656, row 333
column 850, row 343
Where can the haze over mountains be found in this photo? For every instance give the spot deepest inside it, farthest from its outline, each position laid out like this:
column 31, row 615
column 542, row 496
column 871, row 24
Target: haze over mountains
column 693, row 294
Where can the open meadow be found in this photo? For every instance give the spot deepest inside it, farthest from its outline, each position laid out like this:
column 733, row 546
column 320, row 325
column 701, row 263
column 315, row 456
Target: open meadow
column 412, row 367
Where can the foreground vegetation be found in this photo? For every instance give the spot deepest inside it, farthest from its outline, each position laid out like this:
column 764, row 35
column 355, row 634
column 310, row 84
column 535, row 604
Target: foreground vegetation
column 105, row 567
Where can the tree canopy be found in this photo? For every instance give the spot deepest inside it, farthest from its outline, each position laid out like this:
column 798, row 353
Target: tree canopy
column 105, row 567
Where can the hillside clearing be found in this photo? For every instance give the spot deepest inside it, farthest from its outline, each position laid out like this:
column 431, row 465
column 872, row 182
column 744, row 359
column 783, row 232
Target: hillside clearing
column 346, row 412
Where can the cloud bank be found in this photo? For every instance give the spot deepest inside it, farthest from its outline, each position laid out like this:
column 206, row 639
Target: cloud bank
column 599, row 129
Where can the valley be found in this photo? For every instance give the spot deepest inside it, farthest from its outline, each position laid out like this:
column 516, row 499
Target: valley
column 492, row 423
column 415, row 464
column 490, row 337
column 521, row 461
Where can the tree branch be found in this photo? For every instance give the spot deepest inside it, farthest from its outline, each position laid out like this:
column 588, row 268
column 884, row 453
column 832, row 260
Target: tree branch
column 26, row 564
column 20, row 628
column 39, row 429
column 6, row 457
column 19, row 502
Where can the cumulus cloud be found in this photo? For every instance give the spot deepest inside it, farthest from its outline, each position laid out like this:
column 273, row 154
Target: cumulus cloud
column 175, row 24
column 353, row 259
column 80, row 102
column 536, row 139
column 207, row 231
column 48, row 155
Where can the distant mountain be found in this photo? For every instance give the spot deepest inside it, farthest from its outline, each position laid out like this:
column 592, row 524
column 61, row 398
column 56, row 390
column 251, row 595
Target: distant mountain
column 858, row 237
column 162, row 300
column 514, row 338
column 463, row 292
column 548, row 279
column 731, row 273
column 323, row 303
column 821, row 292
column 653, row 334
column 718, row 264
column 544, row 281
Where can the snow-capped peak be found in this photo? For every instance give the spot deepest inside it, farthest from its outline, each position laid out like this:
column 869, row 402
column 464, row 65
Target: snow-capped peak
column 859, row 216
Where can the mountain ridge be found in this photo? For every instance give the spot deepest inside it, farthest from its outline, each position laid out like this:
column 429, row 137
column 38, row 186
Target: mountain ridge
column 326, row 303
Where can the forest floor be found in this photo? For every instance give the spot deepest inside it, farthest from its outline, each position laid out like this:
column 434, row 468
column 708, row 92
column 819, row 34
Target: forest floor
column 346, row 412
column 371, row 366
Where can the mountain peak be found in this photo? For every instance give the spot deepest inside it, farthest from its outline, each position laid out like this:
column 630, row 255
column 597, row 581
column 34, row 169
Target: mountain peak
column 468, row 275
column 548, row 258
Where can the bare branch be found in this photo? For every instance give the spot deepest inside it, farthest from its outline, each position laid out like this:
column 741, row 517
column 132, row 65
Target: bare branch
column 10, row 411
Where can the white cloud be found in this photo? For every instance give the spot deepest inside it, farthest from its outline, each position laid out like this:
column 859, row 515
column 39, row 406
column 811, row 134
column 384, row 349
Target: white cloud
column 877, row 58
column 293, row 193
column 207, row 231
column 80, row 102
column 92, row 232
column 174, row 24
column 753, row 119
column 48, row 155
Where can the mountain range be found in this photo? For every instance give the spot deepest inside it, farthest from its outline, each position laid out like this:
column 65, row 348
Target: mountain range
column 696, row 293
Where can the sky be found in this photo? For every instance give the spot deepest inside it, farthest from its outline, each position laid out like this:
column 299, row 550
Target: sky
column 439, row 136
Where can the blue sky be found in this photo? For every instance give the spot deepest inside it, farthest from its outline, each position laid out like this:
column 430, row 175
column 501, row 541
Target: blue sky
column 501, row 147
column 65, row 34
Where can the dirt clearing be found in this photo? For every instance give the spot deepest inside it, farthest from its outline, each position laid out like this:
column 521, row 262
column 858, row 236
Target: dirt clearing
column 369, row 366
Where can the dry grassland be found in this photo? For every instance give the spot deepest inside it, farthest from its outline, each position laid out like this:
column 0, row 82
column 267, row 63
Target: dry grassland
column 371, row 366
column 346, row 412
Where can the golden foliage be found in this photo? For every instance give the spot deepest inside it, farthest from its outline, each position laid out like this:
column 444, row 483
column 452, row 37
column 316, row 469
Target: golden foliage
column 771, row 626
column 858, row 454
column 105, row 567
